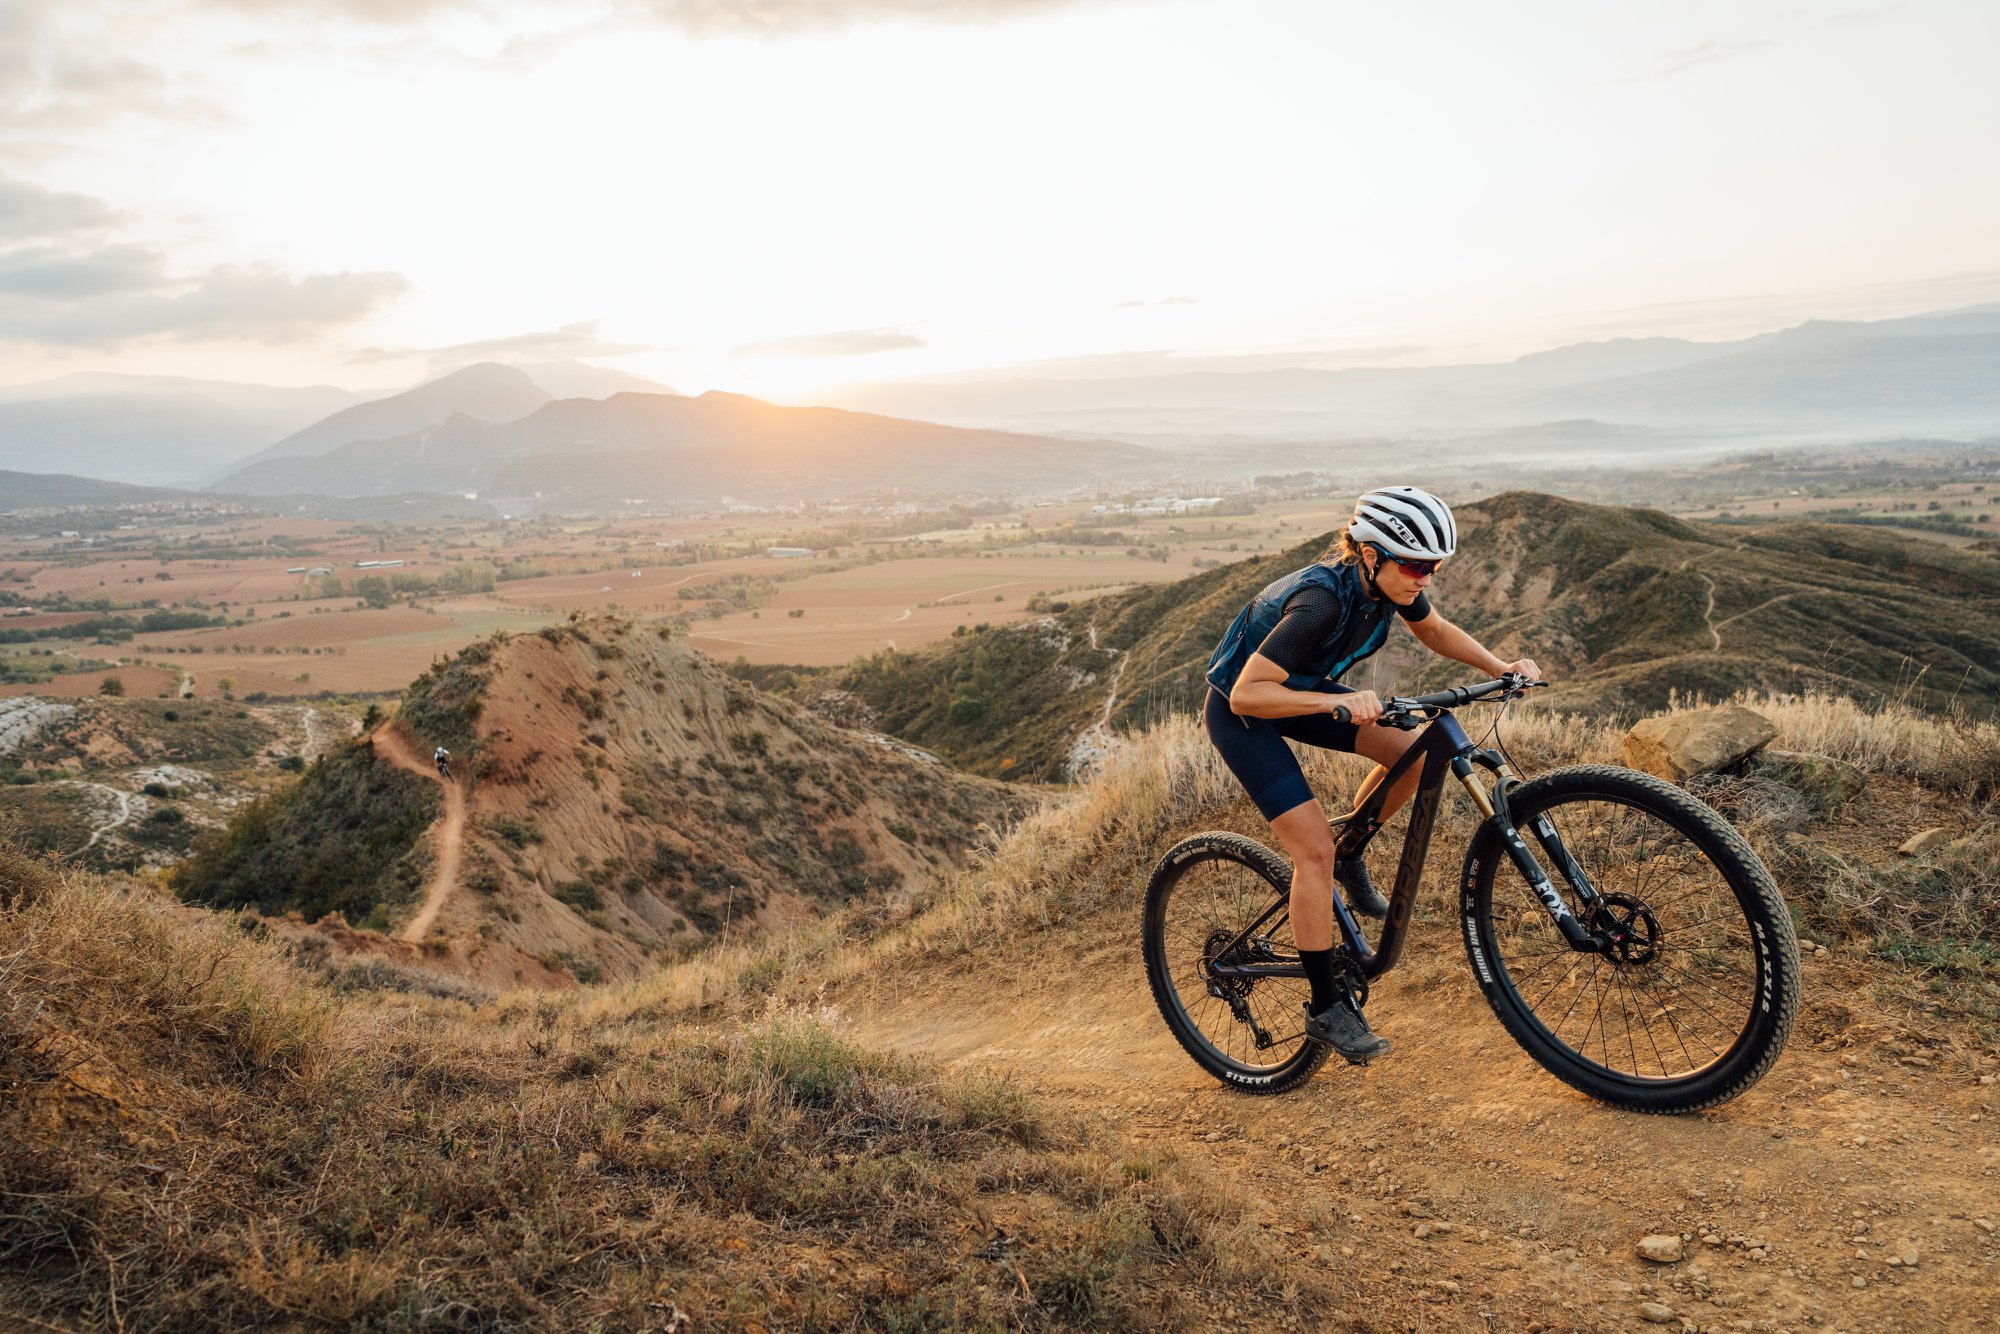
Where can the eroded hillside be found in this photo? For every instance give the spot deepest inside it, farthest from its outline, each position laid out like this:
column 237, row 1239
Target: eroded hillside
column 623, row 801
column 1626, row 606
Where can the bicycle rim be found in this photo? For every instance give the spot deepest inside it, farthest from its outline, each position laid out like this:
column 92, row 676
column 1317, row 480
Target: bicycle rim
column 1679, row 996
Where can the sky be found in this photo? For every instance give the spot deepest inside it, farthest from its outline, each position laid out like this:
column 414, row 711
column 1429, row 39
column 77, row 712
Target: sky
column 780, row 196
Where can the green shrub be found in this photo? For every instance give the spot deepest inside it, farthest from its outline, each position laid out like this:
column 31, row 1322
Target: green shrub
column 581, row 895
column 343, row 840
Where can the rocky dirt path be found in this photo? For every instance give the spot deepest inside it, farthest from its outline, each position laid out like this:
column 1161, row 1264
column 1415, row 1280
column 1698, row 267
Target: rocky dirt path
column 120, row 808
column 450, row 831
column 1456, row 1186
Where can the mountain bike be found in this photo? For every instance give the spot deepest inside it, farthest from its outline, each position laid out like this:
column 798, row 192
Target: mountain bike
column 1656, row 970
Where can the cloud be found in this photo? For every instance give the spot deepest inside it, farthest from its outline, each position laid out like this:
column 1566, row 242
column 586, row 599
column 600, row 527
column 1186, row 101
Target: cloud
column 696, row 17
column 121, row 294
column 848, row 343
column 568, row 343
column 52, row 274
column 1693, row 57
column 56, row 79
column 385, row 12
column 782, row 17
column 28, row 210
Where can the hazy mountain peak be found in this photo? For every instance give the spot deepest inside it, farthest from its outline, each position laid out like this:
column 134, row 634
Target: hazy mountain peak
column 488, row 391
column 579, row 379
column 479, row 373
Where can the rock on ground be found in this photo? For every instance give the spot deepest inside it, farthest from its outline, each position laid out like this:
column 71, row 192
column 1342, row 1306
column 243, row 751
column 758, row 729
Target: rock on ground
column 1925, row 841
column 1681, row 746
column 1661, row 1248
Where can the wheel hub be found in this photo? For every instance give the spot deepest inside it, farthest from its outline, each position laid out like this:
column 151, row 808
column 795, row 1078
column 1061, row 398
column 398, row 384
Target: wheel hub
column 1212, row 953
column 1627, row 927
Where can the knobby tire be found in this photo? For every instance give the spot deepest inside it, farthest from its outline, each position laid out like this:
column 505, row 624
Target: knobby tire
column 1211, row 885
column 1665, row 1035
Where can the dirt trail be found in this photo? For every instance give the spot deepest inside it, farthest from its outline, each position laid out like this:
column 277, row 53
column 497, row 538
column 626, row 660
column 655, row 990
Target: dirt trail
column 450, row 831
column 1752, row 611
column 1455, row 1185
column 121, row 815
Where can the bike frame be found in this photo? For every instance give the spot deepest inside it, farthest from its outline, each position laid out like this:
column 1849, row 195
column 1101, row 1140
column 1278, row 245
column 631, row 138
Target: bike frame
column 1441, row 747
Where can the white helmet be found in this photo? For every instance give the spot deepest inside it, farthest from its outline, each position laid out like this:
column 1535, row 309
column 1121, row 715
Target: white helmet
column 1405, row 521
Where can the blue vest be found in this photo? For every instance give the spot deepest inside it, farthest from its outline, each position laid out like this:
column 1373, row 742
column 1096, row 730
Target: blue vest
column 1256, row 621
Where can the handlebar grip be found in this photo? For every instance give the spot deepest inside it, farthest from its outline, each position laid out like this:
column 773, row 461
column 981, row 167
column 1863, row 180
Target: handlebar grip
column 1341, row 715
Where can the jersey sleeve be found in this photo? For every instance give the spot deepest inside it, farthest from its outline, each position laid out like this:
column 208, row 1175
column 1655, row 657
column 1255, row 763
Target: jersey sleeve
column 1420, row 607
column 1312, row 616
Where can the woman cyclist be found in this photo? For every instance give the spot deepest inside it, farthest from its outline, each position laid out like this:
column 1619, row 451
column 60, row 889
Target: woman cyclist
column 1275, row 675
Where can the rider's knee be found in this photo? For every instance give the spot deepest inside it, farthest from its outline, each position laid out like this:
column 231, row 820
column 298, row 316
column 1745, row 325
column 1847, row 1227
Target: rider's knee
column 1315, row 858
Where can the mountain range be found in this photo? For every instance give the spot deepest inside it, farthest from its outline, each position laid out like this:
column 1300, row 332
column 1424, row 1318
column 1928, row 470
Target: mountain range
column 668, row 448
column 177, row 431
column 1937, row 373
column 587, row 435
column 155, row 430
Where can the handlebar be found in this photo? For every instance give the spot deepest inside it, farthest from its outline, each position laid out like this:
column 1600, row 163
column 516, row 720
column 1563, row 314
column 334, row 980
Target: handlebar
column 1415, row 710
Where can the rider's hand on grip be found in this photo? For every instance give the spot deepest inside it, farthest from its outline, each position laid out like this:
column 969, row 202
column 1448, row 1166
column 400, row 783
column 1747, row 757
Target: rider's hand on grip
column 1360, row 707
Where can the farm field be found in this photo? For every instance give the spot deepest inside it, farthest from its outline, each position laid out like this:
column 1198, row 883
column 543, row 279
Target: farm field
column 306, row 607
column 139, row 681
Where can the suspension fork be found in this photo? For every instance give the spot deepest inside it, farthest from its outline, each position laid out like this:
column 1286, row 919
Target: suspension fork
column 1493, row 805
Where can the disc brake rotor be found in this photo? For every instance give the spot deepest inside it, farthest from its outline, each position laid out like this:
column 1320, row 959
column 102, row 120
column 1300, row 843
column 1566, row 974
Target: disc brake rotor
column 1631, row 931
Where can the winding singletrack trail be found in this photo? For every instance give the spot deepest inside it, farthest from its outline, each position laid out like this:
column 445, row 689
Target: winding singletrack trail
column 450, row 830
column 1708, row 615
column 1454, row 1185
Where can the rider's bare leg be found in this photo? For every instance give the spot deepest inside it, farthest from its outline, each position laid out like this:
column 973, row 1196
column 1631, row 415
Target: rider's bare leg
column 1309, row 843
column 1385, row 746
column 1304, row 832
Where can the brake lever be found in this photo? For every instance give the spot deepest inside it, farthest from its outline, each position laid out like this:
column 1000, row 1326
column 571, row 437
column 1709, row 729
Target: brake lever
column 1517, row 685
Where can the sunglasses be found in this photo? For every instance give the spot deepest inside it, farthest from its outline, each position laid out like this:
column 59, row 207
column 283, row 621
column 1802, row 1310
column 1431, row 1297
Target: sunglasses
column 1415, row 569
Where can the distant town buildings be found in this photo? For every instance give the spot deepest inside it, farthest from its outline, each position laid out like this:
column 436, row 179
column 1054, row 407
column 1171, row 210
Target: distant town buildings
column 1161, row 505
column 790, row 553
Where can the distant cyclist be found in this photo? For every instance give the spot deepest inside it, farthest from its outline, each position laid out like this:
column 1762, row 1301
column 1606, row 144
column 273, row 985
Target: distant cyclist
column 1275, row 675
column 442, row 758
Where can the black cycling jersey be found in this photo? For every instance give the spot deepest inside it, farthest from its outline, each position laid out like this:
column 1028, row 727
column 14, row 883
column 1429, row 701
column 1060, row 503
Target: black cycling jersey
column 1312, row 617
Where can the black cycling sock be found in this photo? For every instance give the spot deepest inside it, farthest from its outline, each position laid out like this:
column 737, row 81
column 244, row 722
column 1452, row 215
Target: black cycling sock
column 1325, row 979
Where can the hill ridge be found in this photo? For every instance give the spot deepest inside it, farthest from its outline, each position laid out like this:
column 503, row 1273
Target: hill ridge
column 618, row 799
column 1627, row 607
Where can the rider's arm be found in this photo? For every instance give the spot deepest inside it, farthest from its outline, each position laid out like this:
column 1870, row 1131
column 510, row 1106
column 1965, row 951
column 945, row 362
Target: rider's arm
column 1261, row 692
column 1311, row 615
column 1446, row 640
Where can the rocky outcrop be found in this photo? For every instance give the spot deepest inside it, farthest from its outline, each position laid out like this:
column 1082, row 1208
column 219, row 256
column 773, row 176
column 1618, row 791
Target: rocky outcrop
column 1680, row 746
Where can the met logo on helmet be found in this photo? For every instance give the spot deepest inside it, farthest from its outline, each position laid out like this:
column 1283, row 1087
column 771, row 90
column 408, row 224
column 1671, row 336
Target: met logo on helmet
column 1396, row 526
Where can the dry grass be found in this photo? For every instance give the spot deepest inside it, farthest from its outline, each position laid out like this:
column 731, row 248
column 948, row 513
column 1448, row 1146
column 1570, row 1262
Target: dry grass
column 1094, row 851
column 196, row 1134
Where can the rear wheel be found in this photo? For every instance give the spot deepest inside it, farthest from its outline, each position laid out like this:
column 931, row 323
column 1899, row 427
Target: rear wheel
column 1694, row 998
column 1247, row 1032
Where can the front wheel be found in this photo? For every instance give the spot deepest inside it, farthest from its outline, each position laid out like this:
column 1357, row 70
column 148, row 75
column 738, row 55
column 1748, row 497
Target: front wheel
column 1693, row 999
column 1249, row 1032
